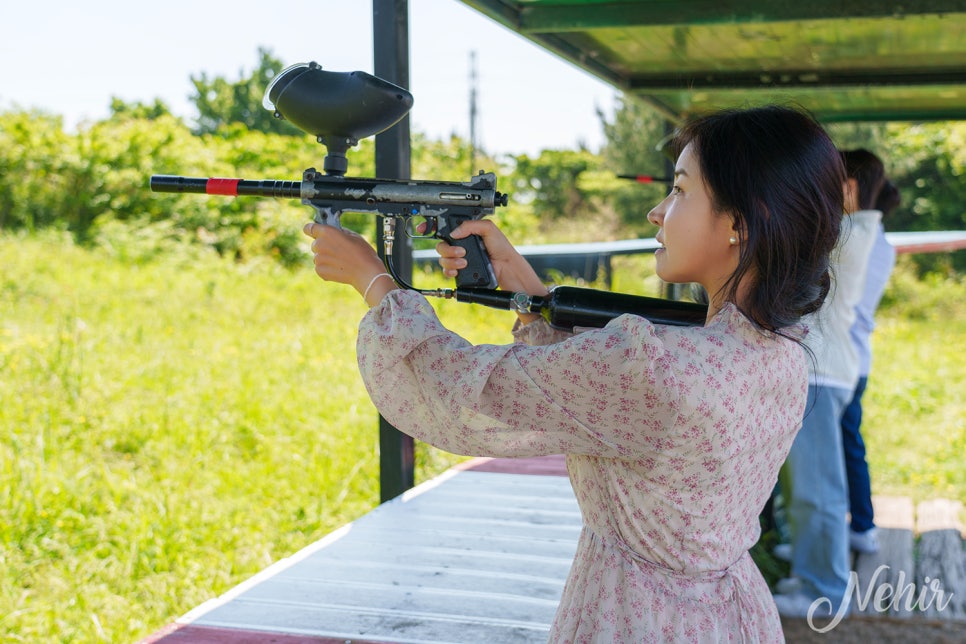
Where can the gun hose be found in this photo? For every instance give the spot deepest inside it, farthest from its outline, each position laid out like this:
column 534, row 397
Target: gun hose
column 503, row 300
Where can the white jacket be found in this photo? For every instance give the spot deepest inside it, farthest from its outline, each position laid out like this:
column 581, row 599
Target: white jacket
column 836, row 361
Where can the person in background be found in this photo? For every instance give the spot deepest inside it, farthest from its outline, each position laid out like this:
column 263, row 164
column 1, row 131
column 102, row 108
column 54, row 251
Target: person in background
column 814, row 483
column 673, row 435
column 862, row 534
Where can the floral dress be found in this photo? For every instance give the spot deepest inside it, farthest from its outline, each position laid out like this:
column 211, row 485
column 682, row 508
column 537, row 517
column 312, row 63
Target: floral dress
column 673, row 436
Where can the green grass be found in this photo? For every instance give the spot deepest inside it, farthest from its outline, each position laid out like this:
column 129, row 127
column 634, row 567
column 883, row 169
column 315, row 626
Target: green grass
column 915, row 414
column 171, row 426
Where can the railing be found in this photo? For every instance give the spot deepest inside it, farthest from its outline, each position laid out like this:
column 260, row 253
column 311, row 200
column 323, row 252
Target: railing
column 587, row 261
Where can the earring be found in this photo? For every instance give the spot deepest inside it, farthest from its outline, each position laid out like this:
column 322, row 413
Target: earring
column 732, row 241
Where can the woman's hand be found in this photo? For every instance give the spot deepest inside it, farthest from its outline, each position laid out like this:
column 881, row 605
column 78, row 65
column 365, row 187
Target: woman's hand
column 513, row 272
column 348, row 258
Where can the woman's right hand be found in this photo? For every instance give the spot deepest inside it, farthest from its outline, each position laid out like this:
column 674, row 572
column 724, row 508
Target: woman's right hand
column 513, row 272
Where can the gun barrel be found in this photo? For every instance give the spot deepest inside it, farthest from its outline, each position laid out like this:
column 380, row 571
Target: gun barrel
column 229, row 187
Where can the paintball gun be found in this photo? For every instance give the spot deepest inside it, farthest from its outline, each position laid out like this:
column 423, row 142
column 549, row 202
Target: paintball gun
column 339, row 109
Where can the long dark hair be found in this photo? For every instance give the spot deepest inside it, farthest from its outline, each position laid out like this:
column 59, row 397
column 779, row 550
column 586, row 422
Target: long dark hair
column 868, row 172
column 776, row 172
column 888, row 200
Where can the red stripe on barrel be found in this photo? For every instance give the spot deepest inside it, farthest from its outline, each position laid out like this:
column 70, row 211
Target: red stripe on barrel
column 217, row 186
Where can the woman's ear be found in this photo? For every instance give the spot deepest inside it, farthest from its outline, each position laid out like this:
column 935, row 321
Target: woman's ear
column 850, row 192
column 737, row 231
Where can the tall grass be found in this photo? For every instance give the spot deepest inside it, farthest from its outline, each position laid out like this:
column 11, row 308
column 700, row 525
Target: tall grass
column 915, row 403
column 170, row 425
column 168, row 429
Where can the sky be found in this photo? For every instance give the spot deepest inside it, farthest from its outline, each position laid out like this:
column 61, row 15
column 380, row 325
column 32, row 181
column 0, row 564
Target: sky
column 70, row 58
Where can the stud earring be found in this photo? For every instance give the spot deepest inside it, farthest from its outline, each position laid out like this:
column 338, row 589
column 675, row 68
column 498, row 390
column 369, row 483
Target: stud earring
column 732, row 241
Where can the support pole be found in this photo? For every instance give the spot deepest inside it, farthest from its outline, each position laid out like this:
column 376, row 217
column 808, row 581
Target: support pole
column 390, row 46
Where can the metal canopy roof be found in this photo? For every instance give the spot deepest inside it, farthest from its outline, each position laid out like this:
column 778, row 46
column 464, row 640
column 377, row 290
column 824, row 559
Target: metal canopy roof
column 844, row 60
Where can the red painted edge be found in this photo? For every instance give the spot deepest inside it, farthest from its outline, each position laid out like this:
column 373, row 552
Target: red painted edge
column 932, row 247
column 555, row 465
column 188, row 634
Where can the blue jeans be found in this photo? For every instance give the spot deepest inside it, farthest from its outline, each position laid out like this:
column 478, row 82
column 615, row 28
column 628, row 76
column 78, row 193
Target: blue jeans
column 818, row 497
column 856, row 467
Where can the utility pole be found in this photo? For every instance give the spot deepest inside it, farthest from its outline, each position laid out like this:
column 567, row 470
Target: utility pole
column 473, row 141
column 390, row 30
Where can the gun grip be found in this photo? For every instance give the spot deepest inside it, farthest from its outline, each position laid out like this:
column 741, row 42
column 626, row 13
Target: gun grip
column 326, row 215
column 479, row 271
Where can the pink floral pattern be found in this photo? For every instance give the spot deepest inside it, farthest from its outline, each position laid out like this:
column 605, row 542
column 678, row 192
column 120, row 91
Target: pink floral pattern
column 673, row 436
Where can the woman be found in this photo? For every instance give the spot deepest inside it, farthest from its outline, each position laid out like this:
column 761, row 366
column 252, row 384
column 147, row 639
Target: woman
column 815, row 483
column 673, row 435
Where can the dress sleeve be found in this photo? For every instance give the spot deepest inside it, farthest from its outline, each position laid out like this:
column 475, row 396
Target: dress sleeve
column 538, row 332
column 598, row 392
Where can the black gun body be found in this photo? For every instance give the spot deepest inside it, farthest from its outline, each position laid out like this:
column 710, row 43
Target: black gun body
column 444, row 204
column 403, row 197
column 399, row 193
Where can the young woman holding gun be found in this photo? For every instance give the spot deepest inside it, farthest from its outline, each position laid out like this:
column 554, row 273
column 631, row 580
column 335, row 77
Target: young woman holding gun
column 674, row 435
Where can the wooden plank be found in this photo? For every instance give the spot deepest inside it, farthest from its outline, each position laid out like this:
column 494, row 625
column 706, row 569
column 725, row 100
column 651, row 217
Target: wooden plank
column 939, row 514
column 884, row 579
column 941, row 569
column 893, row 512
column 941, row 575
column 857, row 629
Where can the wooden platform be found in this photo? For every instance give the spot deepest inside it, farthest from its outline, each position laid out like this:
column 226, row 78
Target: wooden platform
column 921, row 565
column 480, row 554
column 475, row 555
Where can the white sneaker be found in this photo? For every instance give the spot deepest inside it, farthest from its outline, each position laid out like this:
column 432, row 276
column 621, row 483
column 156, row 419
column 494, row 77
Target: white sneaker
column 865, row 542
column 782, row 551
column 799, row 605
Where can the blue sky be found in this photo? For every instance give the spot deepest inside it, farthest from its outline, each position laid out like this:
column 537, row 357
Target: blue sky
column 70, row 58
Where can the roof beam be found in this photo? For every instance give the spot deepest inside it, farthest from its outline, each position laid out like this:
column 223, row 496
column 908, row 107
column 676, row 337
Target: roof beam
column 540, row 17
column 793, row 79
column 889, row 116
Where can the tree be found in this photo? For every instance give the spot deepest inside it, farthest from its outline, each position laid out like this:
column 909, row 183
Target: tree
column 636, row 139
column 550, row 180
column 139, row 110
column 220, row 101
column 927, row 162
column 36, row 157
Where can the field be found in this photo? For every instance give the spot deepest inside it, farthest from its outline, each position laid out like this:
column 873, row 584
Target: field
column 171, row 424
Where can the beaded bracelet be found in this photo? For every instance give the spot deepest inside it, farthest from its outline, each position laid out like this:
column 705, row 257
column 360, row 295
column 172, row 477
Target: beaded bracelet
column 365, row 294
